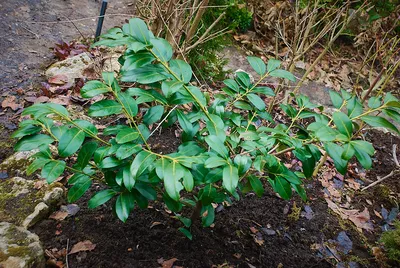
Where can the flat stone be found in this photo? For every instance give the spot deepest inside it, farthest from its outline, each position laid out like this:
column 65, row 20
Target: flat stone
column 16, row 164
column 19, row 248
column 268, row 231
column 72, row 67
column 22, row 202
column 40, row 212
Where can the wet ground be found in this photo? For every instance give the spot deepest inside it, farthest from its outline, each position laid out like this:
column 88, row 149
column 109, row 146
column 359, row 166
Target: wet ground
column 28, row 31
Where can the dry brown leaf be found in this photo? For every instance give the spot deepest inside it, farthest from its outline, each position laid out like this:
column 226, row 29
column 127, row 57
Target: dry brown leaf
column 168, row 263
column 59, row 79
column 155, row 224
column 10, row 102
column 86, row 245
column 59, row 215
column 253, row 230
column 360, row 219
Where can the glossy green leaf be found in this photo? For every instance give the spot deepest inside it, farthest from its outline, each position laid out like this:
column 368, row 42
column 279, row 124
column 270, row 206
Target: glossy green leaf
column 126, row 135
column 93, row 88
column 100, row 198
column 85, row 154
column 256, row 185
column 127, row 178
column 243, row 105
column 376, row 121
column 335, row 152
column 141, row 162
column 258, row 65
column 162, row 49
column 231, row 84
column 188, row 181
column 360, row 145
column 28, row 143
column 282, row 187
column 348, row 151
column 244, row 79
column 127, row 150
column 207, row 215
column 374, row 102
column 336, row 99
column 146, row 190
column 25, row 131
column 243, row 163
column 273, row 64
column 105, row 108
column 70, row 142
column 137, row 60
column 230, row 178
column 124, row 205
column 283, row 74
column 264, row 90
column 88, row 127
column 217, row 145
column 138, row 29
column 364, row 159
column 110, row 162
column 35, row 165
column 79, row 189
column 145, row 75
column 343, row 124
column 153, row 115
column 181, row 69
column 256, row 101
column 186, row 232
column 172, row 175
column 129, row 104
column 215, row 161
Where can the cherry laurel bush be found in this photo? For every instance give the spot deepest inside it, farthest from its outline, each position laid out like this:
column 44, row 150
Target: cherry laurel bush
column 229, row 145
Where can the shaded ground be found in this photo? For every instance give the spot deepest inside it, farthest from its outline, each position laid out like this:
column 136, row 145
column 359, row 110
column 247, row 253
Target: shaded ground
column 28, row 30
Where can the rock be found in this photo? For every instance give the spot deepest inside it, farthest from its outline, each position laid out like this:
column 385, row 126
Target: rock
column 111, row 64
column 19, row 248
column 40, row 212
column 268, row 231
column 72, row 67
column 24, row 202
column 16, row 164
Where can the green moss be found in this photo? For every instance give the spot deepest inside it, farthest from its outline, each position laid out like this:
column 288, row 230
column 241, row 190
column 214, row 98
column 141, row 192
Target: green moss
column 3, row 256
column 20, row 251
column 295, row 214
column 391, row 242
column 383, row 191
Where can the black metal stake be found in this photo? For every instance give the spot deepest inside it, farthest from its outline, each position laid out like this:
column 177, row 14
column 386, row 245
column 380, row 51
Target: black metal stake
column 101, row 19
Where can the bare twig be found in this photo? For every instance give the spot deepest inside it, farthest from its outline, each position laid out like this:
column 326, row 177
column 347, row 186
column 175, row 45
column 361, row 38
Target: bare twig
column 162, row 121
column 395, row 156
column 380, row 180
column 66, row 255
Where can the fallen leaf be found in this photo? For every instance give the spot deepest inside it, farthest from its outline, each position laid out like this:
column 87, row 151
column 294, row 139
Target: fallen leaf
column 360, row 219
column 59, row 215
column 168, row 263
column 82, row 246
column 39, row 184
column 253, row 230
column 155, row 224
column 41, row 99
column 345, row 245
column 10, row 102
column 59, row 79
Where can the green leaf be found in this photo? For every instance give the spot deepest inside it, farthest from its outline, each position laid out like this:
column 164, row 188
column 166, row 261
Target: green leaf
column 343, row 124
column 105, row 108
column 186, row 232
column 110, row 162
column 32, row 142
column 364, row 146
column 264, row 90
column 188, row 181
column 79, row 189
column 35, row 165
column 230, row 178
column 187, row 127
column 300, row 190
column 354, row 107
column 77, row 178
column 244, row 79
column 282, row 187
column 217, row 145
column 207, row 215
column 335, row 152
column 25, row 131
column 198, row 95
column 256, row 101
column 256, row 185
column 100, row 153
column 393, row 104
column 127, row 178
column 70, row 142
column 181, row 69
column 170, row 87
column 100, row 198
column 146, row 190
column 162, row 49
column 258, row 65
column 142, row 201
column 137, row 60
column 364, row 159
column 172, row 175
column 86, row 153
column 173, row 205
column 141, row 162
column 153, row 114
column 86, row 126
column 138, row 29
column 124, row 205
column 230, row 83
column 214, row 161
column 283, row 74
column 145, row 75
column 129, row 104
column 161, row 165
column 273, row 64
column 392, row 114
column 337, row 100
column 243, row 162
column 127, row 150
column 376, row 121
column 242, row 105
column 326, row 133
column 126, row 135
column 93, row 88
column 348, row 151
column 374, row 102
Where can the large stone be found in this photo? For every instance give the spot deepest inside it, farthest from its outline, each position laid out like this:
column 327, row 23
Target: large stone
column 19, row 248
column 25, row 202
column 72, row 67
column 16, row 164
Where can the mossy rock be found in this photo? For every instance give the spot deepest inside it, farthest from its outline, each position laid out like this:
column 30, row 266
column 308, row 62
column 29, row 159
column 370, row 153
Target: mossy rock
column 19, row 198
column 19, row 248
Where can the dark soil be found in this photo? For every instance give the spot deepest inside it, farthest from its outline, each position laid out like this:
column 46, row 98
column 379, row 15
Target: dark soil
column 152, row 234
